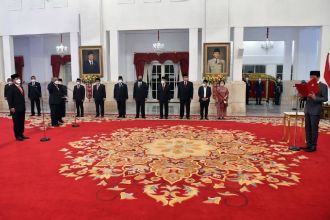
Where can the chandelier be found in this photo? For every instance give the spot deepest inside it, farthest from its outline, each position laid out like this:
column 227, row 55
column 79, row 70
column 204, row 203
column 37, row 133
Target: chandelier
column 158, row 46
column 61, row 49
column 267, row 44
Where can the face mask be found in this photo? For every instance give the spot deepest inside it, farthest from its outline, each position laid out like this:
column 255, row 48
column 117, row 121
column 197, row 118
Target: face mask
column 78, row 83
column 18, row 81
column 10, row 83
column 222, row 84
column 120, row 81
column 97, row 83
column 204, row 84
column 60, row 83
column 33, row 80
column 140, row 80
column 163, row 82
column 56, row 82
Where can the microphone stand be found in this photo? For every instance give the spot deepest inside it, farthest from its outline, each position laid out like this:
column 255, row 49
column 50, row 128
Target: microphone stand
column 294, row 147
column 44, row 138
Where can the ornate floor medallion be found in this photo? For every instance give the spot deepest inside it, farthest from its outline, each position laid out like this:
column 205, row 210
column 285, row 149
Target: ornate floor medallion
column 173, row 164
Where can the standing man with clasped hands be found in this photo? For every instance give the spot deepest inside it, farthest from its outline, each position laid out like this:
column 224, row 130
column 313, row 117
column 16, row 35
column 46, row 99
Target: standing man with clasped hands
column 185, row 95
column 140, row 94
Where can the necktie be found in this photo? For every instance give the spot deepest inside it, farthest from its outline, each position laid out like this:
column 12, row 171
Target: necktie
column 33, row 84
column 139, row 84
column 97, row 87
column 163, row 86
column 20, row 89
column 185, row 83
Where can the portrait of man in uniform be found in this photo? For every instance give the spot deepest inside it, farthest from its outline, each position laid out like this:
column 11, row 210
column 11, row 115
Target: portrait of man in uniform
column 216, row 58
column 91, row 60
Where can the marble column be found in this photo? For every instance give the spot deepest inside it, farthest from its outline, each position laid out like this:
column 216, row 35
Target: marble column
column 8, row 55
column 287, row 60
column 194, row 74
column 238, row 53
column 74, row 50
column 114, row 54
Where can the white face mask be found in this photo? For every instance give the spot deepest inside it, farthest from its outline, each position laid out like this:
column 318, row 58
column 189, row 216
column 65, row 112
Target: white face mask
column 78, row 83
column 204, row 84
column 10, row 83
column 163, row 82
column 33, row 80
column 18, row 81
column 120, row 81
column 97, row 83
column 57, row 82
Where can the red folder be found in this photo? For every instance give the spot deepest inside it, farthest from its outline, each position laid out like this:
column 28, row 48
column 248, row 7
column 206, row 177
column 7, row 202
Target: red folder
column 311, row 87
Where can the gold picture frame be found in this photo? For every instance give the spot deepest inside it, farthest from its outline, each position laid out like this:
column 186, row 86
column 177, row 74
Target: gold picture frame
column 88, row 68
column 216, row 59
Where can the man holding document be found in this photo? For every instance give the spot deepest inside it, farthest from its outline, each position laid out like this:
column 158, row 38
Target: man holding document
column 316, row 93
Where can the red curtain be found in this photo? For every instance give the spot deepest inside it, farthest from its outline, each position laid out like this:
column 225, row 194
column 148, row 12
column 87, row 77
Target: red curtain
column 19, row 64
column 56, row 61
column 140, row 59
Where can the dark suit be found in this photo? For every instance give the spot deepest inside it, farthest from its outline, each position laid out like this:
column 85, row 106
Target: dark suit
column 64, row 94
column 204, row 104
column 34, row 94
column 99, row 95
column 16, row 100
column 278, row 91
column 120, row 93
column 313, row 111
column 140, row 93
column 91, row 68
column 185, row 94
column 6, row 90
column 247, row 91
column 55, row 99
column 79, row 97
column 259, row 88
column 163, row 96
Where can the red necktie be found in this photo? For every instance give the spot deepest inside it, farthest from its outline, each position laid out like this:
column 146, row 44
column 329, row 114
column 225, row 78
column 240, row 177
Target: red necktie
column 20, row 89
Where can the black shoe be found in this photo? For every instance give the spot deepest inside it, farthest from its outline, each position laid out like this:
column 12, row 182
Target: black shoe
column 32, row 115
column 160, row 117
column 136, row 116
column 61, row 121
column 181, row 117
column 82, row 116
column 102, row 116
column 188, row 117
column 123, row 116
column 143, row 116
column 39, row 114
column 166, row 117
column 57, row 125
column 119, row 116
column 201, row 118
column 310, row 149
column 25, row 137
column 206, row 118
column 219, row 118
column 19, row 139
column 77, row 116
column 96, row 116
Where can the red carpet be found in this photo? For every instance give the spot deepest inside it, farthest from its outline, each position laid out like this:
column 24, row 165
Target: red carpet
column 56, row 180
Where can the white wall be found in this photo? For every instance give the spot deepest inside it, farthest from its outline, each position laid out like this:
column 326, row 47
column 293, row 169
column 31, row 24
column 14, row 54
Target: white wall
column 141, row 41
column 37, row 50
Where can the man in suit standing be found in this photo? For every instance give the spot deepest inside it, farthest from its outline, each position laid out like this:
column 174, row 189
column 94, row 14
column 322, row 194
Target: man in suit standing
column 247, row 90
column 55, row 99
column 278, row 92
column 120, row 93
column 163, row 96
column 91, row 65
column 204, row 93
column 79, row 97
column 64, row 96
column 185, row 95
column 6, row 90
column 16, row 102
column 313, row 111
column 99, row 96
column 140, row 94
column 259, row 88
column 34, row 94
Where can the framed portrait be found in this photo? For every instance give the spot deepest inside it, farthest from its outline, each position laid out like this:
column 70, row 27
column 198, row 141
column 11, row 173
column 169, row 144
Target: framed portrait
column 216, row 59
column 91, row 61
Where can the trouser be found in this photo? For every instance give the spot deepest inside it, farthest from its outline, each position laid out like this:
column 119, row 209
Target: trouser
column 37, row 102
column 140, row 105
column 258, row 99
column 247, row 97
column 18, row 120
column 163, row 105
column 99, row 104
column 185, row 104
column 80, row 108
column 204, row 108
column 121, row 106
column 312, row 129
column 55, row 113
